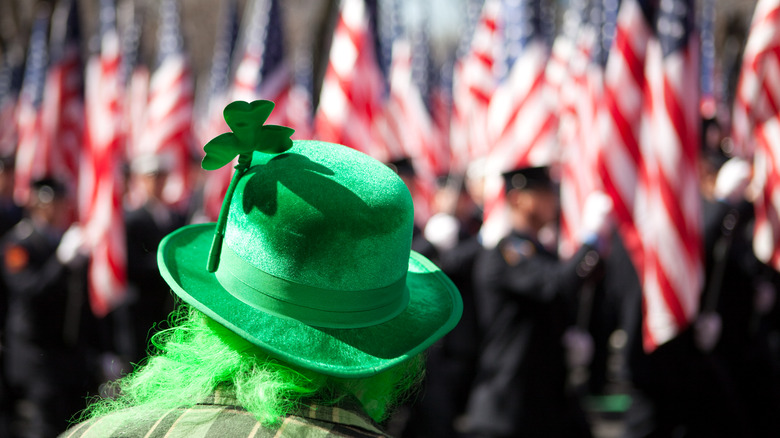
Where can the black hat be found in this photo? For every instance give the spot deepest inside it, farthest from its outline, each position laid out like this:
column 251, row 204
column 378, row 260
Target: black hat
column 7, row 163
column 402, row 166
column 46, row 190
column 714, row 157
column 529, row 178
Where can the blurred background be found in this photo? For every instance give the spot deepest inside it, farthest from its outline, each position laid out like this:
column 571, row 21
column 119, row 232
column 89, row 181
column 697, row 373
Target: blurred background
column 307, row 24
column 105, row 106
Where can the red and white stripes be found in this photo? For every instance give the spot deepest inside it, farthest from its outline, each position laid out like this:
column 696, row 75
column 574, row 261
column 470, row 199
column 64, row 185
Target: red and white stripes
column 579, row 98
column 670, row 225
column 474, row 83
column 756, row 127
column 620, row 159
column 352, row 90
column 408, row 128
column 63, row 119
column 754, row 102
column 101, row 181
column 168, row 131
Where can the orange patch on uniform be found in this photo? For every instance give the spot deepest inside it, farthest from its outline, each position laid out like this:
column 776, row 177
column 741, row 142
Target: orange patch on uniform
column 16, row 258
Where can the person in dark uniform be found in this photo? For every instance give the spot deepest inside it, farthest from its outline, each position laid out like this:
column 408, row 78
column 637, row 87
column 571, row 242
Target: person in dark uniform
column 10, row 215
column 526, row 300
column 690, row 385
column 47, row 352
column 10, row 212
column 740, row 295
column 150, row 301
column 451, row 362
column 404, row 168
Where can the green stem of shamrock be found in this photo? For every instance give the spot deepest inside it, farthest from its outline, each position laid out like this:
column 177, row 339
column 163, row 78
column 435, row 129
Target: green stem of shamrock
column 249, row 135
column 219, row 233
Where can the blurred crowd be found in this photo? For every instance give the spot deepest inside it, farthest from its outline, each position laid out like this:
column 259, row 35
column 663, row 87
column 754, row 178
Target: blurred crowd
column 546, row 346
column 554, row 347
column 55, row 351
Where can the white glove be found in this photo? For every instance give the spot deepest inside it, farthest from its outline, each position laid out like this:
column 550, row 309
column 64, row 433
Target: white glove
column 706, row 331
column 732, row 180
column 596, row 217
column 71, row 245
column 442, row 231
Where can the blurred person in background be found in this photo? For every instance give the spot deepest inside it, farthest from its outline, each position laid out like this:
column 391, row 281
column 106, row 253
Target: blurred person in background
column 50, row 351
column 149, row 299
column 10, row 212
column 451, row 362
column 10, row 215
column 526, row 301
column 404, row 168
column 739, row 323
column 715, row 378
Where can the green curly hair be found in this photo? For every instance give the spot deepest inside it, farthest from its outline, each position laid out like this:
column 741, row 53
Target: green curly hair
column 197, row 356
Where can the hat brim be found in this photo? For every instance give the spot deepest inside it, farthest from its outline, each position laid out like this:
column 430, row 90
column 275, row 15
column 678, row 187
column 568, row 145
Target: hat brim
column 434, row 308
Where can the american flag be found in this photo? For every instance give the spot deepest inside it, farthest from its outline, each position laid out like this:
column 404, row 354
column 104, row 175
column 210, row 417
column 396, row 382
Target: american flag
column 757, row 125
column 409, row 128
column 580, row 97
column 474, row 82
column 620, row 159
column 261, row 53
column 213, row 123
column 168, row 132
column 708, row 59
column 294, row 106
column 440, row 105
column 670, row 224
column 521, row 126
column 264, row 72
column 11, row 73
column 31, row 159
column 63, row 101
column 567, row 85
column 101, row 180
column 753, row 101
column 352, row 95
column 130, row 40
column 134, row 76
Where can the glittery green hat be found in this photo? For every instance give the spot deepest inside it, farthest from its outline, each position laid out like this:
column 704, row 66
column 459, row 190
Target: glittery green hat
column 310, row 259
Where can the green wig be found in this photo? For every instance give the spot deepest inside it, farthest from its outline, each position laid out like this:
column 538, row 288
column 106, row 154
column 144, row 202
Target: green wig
column 197, row 356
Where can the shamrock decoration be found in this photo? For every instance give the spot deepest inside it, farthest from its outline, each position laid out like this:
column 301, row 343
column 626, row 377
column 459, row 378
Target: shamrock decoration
column 249, row 134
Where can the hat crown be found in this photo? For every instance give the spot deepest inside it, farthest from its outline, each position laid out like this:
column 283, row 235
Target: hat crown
column 322, row 215
column 316, row 266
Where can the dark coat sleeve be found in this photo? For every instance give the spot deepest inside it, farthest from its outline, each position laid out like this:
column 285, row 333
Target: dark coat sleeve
column 542, row 278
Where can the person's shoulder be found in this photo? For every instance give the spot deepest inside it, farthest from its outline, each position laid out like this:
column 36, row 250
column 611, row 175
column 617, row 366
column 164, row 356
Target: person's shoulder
column 224, row 420
column 344, row 420
column 207, row 421
column 516, row 248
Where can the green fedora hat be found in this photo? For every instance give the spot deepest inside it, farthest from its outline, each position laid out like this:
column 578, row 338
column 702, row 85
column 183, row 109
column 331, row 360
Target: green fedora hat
column 311, row 257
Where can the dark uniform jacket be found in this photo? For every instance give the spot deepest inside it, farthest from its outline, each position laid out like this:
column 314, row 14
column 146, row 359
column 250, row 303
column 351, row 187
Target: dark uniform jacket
column 150, row 300
column 50, row 350
column 525, row 300
column 47, row 302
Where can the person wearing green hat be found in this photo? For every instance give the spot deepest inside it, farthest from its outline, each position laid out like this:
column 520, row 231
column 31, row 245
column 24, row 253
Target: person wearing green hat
column 305, row 312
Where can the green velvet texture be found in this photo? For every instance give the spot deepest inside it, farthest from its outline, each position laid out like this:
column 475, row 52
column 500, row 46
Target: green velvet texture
column 320, row 214
column 331, row 218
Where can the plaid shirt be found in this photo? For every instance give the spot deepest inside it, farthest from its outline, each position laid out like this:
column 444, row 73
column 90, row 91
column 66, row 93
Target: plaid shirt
column 220, row 416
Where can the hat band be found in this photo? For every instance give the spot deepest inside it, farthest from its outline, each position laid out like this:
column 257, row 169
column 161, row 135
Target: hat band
column 311, row 305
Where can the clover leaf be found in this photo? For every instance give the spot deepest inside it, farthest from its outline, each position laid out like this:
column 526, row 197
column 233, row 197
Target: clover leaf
column 249, row 134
